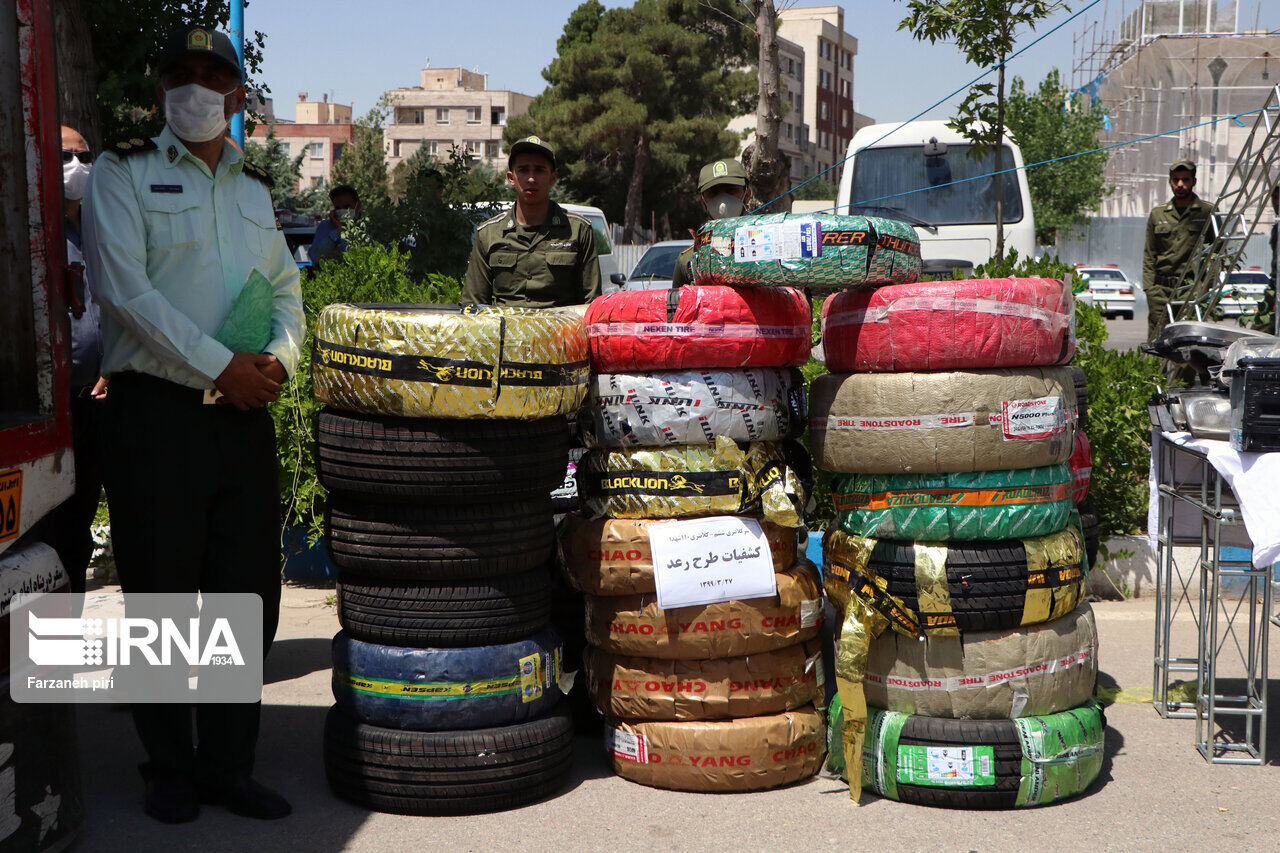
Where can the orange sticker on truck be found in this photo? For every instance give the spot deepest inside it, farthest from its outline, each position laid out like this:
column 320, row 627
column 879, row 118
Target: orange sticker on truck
column 10, row 504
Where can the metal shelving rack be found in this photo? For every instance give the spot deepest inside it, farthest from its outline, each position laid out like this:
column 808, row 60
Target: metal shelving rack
column 1186, row 477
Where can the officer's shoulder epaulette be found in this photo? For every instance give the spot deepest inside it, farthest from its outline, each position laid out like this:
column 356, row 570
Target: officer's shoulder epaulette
column 494, row 219
column 259, row 174
column 129, row 147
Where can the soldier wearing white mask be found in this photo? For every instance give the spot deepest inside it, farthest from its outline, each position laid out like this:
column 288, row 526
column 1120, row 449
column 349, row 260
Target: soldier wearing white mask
column 722, row 186
column 178, row 230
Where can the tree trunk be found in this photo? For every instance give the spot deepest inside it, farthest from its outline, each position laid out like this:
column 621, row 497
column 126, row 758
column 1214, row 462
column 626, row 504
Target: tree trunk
column 76, row 71
column 997, row 183
column 768, row 169
column 635, row 190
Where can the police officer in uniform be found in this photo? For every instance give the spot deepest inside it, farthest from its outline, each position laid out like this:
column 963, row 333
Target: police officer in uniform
column 1173, row 233
column 173, row 227
column 535, row 255
column 722, row 186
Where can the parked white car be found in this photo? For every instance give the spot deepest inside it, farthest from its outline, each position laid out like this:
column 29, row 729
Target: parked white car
column 1111, row 289
column 1242, row 292
column 654, row 270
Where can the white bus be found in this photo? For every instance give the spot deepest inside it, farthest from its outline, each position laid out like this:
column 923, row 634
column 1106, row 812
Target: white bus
column 917, row 173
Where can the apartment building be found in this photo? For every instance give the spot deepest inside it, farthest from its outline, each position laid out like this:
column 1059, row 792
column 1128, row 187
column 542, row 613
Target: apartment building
column 452, row 106
column 320, row 131
column 828, row 81
column 793, row 135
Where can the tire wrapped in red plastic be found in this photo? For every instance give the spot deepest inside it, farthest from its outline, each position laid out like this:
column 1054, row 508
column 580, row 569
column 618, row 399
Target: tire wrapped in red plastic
column 699, row 326
column 948, row 325
column 1081, row 467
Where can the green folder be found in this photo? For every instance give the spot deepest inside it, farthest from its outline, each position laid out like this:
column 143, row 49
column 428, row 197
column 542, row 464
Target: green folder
column 248, row 326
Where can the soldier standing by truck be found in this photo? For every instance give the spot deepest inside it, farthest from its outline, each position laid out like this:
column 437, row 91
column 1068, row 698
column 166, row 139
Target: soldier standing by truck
column 1173, row 234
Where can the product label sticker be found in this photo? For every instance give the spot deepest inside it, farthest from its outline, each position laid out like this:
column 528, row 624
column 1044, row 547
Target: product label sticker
column 810, row 612
column 530, row 678
column 946, row 766
column 707, row 560
column 777, row 241
column 627, row 746
column 893, row 422
column 1028, row 420
column 814, row 665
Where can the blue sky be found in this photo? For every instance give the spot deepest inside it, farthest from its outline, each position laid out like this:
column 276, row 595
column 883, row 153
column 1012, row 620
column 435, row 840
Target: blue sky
column 356, row 51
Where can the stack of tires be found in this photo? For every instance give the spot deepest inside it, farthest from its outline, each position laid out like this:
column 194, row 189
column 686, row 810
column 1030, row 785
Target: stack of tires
column 442, row 437
column 691, row 414
column 967, row 653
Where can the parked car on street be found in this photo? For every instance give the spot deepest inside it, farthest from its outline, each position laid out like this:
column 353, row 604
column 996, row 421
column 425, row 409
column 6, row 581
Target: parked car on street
column 653, row 271
column 1242, row 292
column 1111, row 289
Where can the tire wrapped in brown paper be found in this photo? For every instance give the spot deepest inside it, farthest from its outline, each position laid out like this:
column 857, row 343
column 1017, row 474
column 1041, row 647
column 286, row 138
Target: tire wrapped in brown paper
column 442, row 361
column 634, row 625
column 611, row 556
column 630, row 688
column 750, row 754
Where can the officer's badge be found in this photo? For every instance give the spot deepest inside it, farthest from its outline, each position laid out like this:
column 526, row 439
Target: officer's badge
column 535, row 140
column 172, row 153
column 719, row 170
column 199, row 40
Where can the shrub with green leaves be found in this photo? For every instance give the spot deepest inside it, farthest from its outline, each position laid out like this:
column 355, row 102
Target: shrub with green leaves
column 367, row 272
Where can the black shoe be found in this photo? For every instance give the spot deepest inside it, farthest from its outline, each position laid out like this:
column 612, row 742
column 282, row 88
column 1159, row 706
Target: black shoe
column 171, row 799
column 248, row 798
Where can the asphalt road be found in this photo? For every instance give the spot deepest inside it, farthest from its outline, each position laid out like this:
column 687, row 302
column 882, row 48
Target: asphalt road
column 1155, row 791
column 1129, row 334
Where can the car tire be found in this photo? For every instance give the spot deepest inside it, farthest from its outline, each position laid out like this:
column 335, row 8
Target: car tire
column 478, row 613
column 1083, row 726
column 1082, row 396
column 1089, row 529
column 439, row 542
column 446, row 773
column 431, row 459
column 438, row 689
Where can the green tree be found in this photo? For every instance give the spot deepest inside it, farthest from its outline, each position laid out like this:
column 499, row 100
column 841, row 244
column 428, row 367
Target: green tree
column 273, row 156
column 639, row 99
column 105, row 86
column 986, row 32
column 363, row 163
column 1051, row 123
column 819, row 189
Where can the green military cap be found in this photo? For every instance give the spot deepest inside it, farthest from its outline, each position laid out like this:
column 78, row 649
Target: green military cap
column 531, row 145
column 728, row 172
column 198, row 41
column 1184, row 163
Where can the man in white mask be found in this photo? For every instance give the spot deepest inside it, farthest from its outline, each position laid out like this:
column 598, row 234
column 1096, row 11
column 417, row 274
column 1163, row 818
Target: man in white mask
column 178, row 230
column 722, row 186
column 328, row 242
column 68, row 525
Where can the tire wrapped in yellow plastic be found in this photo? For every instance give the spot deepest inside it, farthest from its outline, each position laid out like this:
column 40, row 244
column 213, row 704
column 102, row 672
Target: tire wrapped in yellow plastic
column 444, row 361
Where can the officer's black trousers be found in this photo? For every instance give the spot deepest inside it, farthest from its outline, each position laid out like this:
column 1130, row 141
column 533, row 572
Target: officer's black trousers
column 68, row 524
column 194, row 502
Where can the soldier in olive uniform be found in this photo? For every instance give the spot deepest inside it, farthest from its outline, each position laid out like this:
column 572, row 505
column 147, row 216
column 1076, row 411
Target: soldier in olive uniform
column 535, row 255
column 723, row 188
column 1173, row 232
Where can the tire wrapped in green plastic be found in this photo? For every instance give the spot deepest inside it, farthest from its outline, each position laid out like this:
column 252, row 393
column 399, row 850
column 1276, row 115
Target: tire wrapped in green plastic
column 979, row 764
column 945, row 507
column 443, row 361
column 823, row 252
column 769, row 478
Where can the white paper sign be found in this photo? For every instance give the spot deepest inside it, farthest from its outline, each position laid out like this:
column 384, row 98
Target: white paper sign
column 705, row 560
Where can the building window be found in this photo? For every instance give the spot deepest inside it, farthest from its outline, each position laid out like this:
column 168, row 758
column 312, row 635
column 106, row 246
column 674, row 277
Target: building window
column 315, row 150
column 442, row 115
column 472, row 146
column 787, row 131
column 409, row 116
column 823, row 112
column 473, row 115
column 844, row 118
column 791, row 66
column 498, row 116
column 799, row 103
column 491, row 149
column 431, row 146
column 846, row 89
column 337, row 150
column 315, row 180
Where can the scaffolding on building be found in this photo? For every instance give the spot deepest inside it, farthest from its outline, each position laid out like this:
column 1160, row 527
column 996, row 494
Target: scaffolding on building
column 1168, row 72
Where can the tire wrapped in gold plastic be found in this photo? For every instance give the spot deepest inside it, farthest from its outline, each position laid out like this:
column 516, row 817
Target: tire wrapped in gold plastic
column 630, row 688
column 443, row 361
column 750, row 754
column 634, row 625
column 766, row 478
column 611, row 556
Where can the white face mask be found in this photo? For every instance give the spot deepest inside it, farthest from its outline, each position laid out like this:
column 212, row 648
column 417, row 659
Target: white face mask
column 75, row 175
column 194, row 113
column 724, row 206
